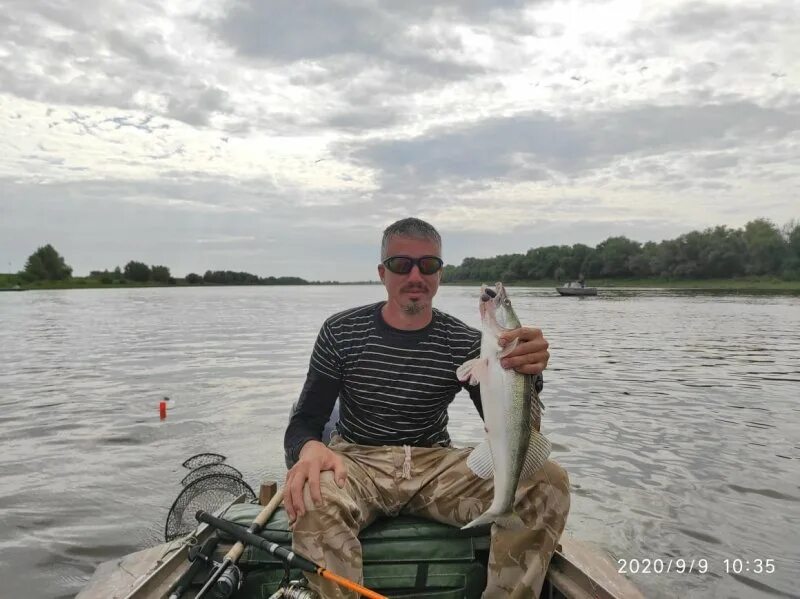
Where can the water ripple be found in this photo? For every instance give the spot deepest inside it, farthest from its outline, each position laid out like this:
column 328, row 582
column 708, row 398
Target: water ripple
column 675, row 414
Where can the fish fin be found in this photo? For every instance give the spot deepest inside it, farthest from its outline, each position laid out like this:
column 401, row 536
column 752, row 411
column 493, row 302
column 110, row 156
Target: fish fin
column 463, row 372
column 539, row 448
column 472, row 370
column 510, row 520
column 480, row 461
column 537, row 407
column 483, row 519
column 508, row 348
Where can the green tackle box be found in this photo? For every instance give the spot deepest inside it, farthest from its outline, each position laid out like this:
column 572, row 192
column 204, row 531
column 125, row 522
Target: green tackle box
column 404, row 557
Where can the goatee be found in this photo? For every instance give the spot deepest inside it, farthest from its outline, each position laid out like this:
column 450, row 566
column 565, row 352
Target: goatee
column 413, row 308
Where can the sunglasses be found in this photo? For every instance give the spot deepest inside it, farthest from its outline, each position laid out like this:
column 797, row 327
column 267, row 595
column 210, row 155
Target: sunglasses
column 402, row 265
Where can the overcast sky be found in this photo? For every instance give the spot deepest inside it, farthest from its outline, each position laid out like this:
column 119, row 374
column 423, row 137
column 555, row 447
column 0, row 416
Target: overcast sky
column 282, row 137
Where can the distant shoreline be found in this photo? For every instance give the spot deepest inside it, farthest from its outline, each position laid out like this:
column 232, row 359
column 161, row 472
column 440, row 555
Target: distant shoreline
column 741, row 284
column 89, row 283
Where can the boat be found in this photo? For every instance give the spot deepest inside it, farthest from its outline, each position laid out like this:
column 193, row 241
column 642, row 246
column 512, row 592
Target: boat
column 576, row 288
column 404, row 557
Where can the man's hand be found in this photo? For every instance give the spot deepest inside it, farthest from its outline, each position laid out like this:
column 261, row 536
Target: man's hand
column 531, row 355
column 315, row 457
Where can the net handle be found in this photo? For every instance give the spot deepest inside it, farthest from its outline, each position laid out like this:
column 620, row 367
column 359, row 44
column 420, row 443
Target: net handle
column 263, row 517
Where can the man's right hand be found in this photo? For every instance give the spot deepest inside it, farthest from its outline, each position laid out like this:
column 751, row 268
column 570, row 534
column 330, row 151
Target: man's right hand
column 315, row 457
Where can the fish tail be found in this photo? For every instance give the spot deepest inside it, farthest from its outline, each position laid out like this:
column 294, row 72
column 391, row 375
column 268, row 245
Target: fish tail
column 508, row 519
column 484, row 518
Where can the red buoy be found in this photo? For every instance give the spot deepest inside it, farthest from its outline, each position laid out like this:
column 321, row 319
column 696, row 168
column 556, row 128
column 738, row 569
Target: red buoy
column 162, row 409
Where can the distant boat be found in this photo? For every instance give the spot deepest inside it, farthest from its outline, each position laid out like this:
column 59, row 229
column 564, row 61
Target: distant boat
column 576, row 288
column 14, row 288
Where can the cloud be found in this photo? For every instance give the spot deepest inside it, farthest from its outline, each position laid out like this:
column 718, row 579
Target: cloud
column 527, row 146
column 288, row 31
column 227, row 239
column 197, row 106
column 743, row 21
column 314, row 125
column 142, row 50
column 361, row 65
column 184, row 223
column 54, row 53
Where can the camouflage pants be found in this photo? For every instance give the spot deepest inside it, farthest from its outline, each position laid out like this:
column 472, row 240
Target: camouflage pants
column 435, row 483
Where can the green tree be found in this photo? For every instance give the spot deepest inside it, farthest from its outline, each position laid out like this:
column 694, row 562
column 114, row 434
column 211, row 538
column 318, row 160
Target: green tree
column 664, row 258
column 193, row 278
column 724, row 253
column 570, row 263
column 469, row 269
column 160, row 274
column 542, row 262
column 284, row 281
column 792, row 234
column 639, row 265
column 46, row 264
column 513, row 268
column 103, row 276
column 791, row 264
column 766, row 248
column 137, row 271
column 615, row 254
column 721, row 252
column 229, row 277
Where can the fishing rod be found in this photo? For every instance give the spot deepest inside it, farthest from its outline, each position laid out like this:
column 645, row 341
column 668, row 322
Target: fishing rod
column 287, row 556
column 231, row 578
column 202, row 558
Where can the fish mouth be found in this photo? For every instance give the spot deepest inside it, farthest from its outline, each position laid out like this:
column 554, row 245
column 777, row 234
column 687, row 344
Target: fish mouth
column 492, row 300
column 488, row 301
column 498, row 293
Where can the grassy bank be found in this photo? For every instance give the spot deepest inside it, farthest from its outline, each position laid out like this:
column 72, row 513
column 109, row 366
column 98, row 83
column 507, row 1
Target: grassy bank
column 77, row 283
column 93, row 284
column 765, row 283
column 12, row 280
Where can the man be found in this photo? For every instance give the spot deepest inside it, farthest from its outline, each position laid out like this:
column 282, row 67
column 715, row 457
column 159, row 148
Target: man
column 392, row 364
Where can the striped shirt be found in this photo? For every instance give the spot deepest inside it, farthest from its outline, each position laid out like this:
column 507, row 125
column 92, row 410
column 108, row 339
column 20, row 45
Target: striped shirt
column 394, row 386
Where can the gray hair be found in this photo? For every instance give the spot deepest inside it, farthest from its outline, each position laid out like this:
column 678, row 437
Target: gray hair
column 409, row 227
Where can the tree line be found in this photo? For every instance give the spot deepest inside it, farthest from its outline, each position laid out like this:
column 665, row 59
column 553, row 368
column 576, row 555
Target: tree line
column 229, row 277
column 759, row 248
column 46, row 264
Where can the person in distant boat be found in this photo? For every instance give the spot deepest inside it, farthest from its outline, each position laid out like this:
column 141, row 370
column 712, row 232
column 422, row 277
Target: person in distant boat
column 581, row 281
column 393, row 365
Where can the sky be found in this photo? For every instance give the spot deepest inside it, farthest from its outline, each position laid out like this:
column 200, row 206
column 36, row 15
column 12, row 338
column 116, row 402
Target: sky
column 281, row 137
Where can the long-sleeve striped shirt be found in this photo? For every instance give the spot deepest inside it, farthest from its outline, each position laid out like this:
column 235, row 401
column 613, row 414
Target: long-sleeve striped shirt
column 394, row 386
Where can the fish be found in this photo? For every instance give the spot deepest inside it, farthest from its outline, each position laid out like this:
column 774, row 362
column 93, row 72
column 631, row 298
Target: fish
column 514, row 449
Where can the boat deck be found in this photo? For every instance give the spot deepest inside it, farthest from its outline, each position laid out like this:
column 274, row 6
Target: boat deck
column 576, row 571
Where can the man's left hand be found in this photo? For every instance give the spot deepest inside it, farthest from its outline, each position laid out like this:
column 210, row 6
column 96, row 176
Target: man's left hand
column 531, row 355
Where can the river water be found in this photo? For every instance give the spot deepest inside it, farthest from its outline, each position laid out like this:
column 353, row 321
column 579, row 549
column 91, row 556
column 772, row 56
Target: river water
column 675, row 413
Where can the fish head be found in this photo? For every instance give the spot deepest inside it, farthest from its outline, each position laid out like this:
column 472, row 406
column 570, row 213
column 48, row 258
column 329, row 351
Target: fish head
column 495, row 307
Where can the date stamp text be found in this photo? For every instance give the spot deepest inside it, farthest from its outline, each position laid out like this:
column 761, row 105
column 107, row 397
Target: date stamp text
column 696, row 565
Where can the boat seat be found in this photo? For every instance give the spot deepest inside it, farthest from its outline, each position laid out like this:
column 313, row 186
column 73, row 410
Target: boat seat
column 402, row 556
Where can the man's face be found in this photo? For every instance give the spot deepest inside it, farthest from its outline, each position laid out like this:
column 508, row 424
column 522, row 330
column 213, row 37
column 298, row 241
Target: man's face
column 413, row 292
